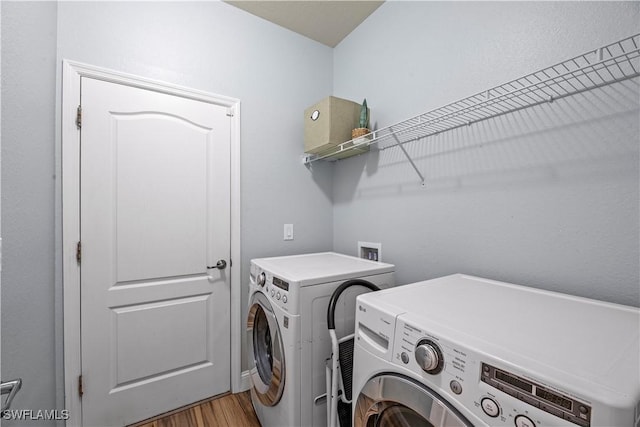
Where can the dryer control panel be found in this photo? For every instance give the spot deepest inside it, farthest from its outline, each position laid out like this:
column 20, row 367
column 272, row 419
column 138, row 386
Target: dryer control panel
column 477, row 383
column 539, row 396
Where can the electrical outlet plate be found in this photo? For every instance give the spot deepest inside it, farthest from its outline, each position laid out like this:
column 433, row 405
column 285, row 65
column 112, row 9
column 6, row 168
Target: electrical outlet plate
column 370, row 251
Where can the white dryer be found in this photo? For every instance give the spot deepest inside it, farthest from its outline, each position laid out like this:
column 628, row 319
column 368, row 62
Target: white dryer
column 466, row 351
column 287, row 330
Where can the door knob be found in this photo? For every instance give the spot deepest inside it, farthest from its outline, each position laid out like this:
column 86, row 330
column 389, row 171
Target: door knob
column 220, row 265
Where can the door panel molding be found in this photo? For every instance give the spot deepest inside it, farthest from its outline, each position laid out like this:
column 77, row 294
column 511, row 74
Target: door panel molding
column 72, row 72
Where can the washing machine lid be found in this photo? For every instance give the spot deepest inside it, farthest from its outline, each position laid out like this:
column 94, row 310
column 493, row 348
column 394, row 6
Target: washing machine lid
column 592, row 345
column 316, row 268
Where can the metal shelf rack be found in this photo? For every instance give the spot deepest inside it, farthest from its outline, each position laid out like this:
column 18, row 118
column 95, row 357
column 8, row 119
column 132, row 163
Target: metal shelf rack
column 596, row 68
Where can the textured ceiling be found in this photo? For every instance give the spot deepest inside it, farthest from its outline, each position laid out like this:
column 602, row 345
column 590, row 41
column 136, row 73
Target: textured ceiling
column 324, row 21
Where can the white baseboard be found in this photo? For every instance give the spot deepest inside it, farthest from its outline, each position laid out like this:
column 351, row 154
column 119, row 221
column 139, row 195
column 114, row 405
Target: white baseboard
column 245, row 382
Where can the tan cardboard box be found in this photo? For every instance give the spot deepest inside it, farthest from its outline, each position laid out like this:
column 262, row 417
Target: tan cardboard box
column 329, row 123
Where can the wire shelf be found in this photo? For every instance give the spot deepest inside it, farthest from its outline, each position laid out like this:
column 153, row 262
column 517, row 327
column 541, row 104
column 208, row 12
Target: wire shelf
column 596, row 68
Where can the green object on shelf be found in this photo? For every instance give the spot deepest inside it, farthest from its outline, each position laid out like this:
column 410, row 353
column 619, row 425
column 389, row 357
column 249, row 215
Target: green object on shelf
column 364, row 115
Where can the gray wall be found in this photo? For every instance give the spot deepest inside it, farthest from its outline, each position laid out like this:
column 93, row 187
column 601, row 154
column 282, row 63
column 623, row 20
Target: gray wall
column 546, row 197
column 209, row 46
column 28, row 167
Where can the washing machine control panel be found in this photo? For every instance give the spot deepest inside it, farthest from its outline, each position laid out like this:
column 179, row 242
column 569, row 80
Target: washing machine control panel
column 482, row 386
column 279, row 291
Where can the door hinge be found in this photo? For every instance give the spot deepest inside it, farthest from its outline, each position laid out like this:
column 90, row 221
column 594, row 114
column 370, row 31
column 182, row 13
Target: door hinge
column 80, row 387
column 79, row 117
column 229, row 112
column 79, row 252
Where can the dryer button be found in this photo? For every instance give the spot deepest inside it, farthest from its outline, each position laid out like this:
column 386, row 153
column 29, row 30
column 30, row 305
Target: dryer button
column 405, row 357
column 278, row 296
column 523, row 421
column 456, row 387
column 273, row 292
column 550, row 409
column 490, row 407
column 284, row 298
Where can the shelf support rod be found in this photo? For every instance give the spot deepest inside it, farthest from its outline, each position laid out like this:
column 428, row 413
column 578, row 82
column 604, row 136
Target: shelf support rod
column 415, row 168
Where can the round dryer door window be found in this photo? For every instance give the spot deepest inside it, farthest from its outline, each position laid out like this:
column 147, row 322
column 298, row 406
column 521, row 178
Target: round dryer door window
column 266, row 349
column 396, row 401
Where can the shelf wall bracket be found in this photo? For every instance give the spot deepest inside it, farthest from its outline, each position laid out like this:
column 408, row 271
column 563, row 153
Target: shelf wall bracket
column 415, row 168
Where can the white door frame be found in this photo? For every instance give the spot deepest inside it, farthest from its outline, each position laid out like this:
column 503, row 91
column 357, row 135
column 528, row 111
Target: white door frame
column 71, row 73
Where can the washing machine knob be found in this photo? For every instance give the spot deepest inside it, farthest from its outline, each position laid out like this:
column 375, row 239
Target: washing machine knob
column 429, row 357
column 262, row 279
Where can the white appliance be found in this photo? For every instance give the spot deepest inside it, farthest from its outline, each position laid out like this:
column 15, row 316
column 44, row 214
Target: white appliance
column 466, row 351
column 287, row 330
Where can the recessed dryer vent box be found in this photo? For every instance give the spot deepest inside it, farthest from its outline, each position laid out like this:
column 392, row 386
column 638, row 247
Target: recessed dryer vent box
column 329, row 123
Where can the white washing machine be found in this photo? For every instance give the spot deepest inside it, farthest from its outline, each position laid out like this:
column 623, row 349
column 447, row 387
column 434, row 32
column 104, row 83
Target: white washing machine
column 466, row 351
column 287, row 330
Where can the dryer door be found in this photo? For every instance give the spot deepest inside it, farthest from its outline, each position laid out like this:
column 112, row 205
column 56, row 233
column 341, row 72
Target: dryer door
column 390, row 400
column 266, row 352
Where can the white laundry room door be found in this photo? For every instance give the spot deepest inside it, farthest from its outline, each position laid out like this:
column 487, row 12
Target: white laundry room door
column 154, row 223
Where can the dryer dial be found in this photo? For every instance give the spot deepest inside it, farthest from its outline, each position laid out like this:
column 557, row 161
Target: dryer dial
column 429, row 357
column 262, row 279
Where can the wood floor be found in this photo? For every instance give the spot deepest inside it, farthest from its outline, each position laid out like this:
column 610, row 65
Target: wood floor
column 228, row 410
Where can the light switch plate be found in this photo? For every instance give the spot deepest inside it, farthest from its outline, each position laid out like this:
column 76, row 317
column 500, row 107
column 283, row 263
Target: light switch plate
column 288, row 232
